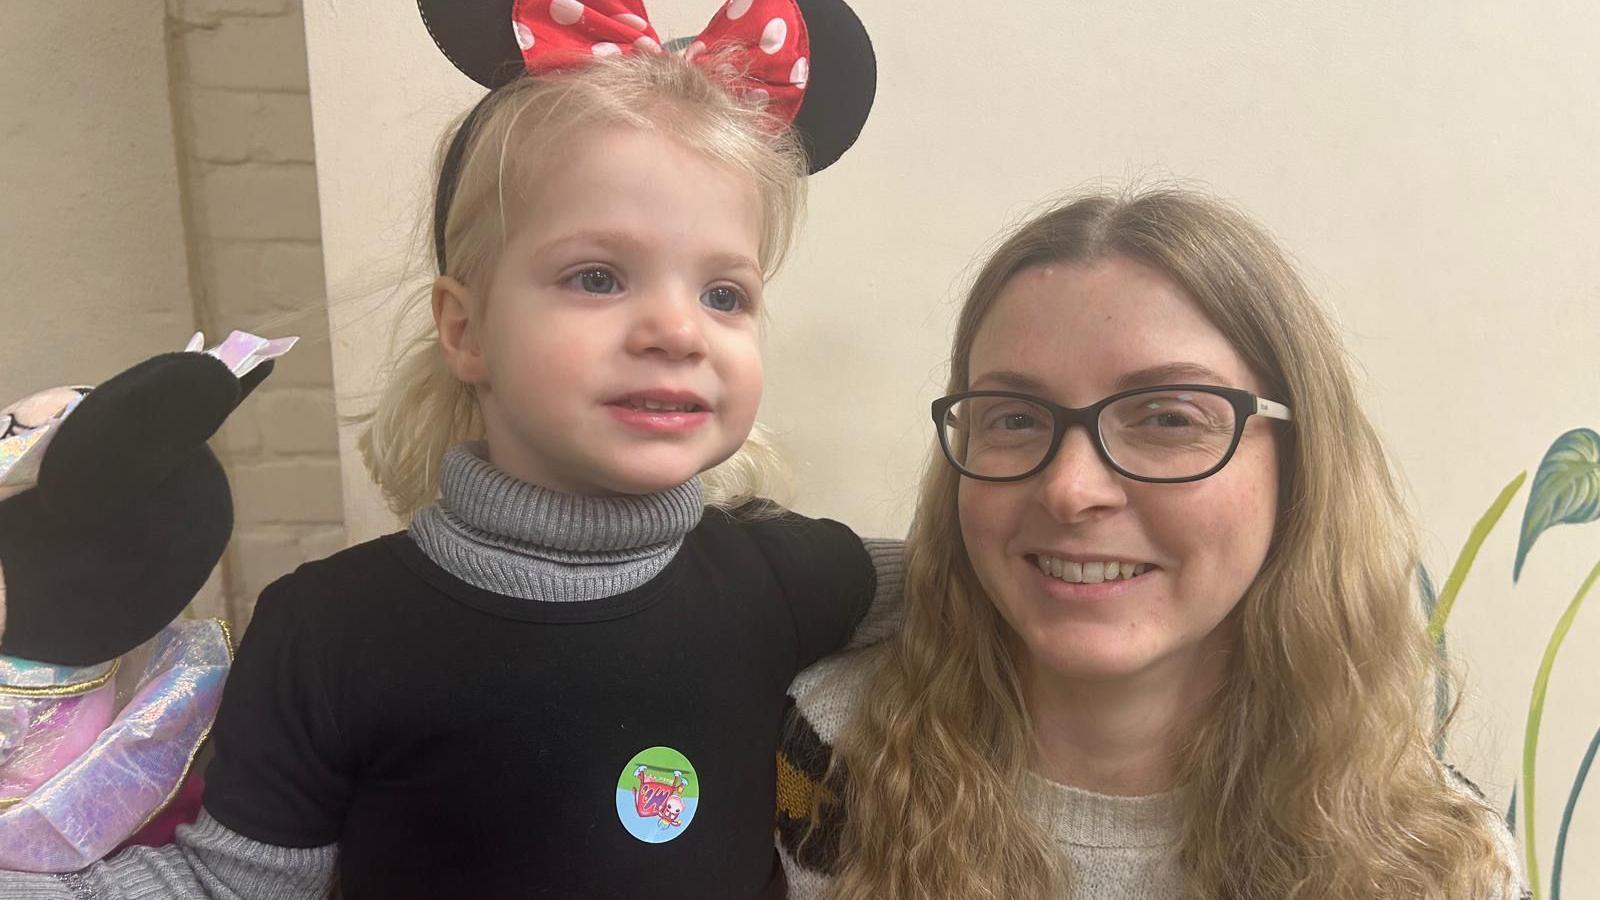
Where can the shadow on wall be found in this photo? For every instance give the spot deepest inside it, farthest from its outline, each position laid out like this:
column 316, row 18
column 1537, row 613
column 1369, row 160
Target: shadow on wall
column 1566, row 491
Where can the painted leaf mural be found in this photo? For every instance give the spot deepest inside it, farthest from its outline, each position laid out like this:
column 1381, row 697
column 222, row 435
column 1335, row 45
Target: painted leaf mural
column 1566, row 816
column 1441, row 663
column 1566, row 489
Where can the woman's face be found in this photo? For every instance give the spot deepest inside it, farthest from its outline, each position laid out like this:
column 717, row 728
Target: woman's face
column 1074, row 334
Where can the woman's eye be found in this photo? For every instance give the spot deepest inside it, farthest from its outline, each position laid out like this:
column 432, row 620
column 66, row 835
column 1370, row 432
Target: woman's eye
column 724, row 298
column 1012, row 421
column 595, row 281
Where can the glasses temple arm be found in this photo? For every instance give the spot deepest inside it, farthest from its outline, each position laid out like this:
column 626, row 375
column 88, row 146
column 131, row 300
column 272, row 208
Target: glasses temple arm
column 1273, row 410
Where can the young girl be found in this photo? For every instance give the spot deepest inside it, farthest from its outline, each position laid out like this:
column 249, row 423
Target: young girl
column 567, row 678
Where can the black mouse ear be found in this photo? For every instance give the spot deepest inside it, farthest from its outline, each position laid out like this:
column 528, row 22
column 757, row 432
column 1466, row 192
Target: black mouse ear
column 128, row 434
column 842, row 82
column 249, row 381
column 476, row 36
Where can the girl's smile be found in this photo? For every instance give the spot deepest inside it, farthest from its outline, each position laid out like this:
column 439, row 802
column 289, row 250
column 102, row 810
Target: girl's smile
column 661, row 411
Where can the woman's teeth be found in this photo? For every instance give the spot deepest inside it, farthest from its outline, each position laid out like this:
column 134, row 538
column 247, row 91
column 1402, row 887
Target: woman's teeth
column 1090, row 572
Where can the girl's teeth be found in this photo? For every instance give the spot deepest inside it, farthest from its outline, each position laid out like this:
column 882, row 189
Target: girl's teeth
column 1094, row 573
column 658, row 406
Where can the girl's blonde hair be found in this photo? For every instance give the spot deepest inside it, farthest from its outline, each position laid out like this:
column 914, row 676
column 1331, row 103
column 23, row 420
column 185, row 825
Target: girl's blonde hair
column 423, row 409
column 1312, row 775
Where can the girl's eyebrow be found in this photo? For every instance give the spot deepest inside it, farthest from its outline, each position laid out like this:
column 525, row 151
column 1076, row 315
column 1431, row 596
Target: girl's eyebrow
column 733, row 261
column 622, row 242
column 616, row 241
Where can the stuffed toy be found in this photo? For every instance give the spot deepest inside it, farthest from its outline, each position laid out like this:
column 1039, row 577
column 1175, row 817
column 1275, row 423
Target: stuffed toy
column 113, row 513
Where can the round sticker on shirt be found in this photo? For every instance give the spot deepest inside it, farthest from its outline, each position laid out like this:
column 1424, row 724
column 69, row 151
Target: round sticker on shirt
column 657, row 795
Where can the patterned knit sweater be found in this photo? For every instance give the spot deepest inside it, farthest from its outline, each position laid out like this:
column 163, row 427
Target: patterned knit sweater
column 1115, row 847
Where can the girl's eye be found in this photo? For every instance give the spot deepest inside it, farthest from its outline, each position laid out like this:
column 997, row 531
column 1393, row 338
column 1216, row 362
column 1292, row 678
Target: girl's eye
column 595, row 281
column 724, row 298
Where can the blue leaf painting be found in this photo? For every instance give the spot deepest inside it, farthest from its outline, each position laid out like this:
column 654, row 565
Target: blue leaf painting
column 1511, row 813
column 1566, row 816
column 1441, row 650
column 1430, row 596
column 1566, row 489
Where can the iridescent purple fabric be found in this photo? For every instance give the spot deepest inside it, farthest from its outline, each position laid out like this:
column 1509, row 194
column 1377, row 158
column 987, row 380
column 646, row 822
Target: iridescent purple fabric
column 123, row 773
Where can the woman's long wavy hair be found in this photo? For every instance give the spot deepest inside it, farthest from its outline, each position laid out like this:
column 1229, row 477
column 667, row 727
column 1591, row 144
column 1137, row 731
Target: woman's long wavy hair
column 422, row 409
column 1312, row 776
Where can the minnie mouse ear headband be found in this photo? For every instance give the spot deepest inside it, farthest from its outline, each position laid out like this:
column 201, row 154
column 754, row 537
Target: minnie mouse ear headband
column 809, row 61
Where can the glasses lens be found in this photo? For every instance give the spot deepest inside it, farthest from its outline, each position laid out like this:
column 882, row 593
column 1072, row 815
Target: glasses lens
column 997, row 437
column 1168, row 433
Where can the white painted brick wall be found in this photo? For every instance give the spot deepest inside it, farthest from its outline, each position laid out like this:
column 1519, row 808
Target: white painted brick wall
column 243, row 121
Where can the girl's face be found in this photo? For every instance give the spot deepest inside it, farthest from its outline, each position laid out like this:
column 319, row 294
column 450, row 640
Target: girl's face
column 617, row 349
column 1073, row 335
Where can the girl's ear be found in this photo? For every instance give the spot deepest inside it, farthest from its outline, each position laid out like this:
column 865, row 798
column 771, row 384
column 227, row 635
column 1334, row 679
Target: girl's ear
column 456, row 314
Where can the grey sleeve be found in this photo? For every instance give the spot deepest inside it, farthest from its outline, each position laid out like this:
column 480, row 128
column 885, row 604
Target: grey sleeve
column 207, row 861
column 888, row 607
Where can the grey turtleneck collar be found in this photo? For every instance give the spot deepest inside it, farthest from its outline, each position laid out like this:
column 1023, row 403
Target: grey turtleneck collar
column 518, row 539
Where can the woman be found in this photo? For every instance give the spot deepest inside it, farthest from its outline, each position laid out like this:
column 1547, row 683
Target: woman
column 1160, row 634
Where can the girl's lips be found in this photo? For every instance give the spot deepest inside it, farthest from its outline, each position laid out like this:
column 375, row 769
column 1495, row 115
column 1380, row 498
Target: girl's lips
column 658, row 421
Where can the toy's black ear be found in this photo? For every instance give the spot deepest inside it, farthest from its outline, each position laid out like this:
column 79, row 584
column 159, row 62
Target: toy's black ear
column 131, row 432
column 80, row 593
column 842, row 84
column 476, row 36
column 254, row 377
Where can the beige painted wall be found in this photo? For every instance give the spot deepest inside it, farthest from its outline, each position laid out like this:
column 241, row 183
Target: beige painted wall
column 156, row 177
column 1431, row 165
column 243, row 113
column 91, row 230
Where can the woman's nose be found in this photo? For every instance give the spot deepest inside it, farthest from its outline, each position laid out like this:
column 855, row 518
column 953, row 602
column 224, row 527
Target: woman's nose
column 1078, row 484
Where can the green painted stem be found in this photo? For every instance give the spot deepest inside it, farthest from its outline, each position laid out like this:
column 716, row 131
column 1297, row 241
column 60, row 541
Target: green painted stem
column 1469, row 554
column 1530, row 738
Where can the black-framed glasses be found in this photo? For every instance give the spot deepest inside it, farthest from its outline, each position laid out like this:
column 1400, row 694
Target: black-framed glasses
column 1164, row 434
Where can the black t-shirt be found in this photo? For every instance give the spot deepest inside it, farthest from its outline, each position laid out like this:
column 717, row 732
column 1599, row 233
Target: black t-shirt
column 460, row 743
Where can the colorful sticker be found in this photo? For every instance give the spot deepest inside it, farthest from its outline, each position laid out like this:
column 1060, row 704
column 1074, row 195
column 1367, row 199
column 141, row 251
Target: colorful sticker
column 657, row 795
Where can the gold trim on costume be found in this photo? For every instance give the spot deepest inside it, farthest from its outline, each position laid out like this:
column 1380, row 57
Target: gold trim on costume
column 62, row 690
column 227, row 635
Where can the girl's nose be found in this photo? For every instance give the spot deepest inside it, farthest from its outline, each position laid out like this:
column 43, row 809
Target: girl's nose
column 668, row 325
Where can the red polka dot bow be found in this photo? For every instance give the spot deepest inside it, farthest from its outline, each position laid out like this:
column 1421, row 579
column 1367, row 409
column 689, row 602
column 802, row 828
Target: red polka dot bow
column 761, row 47
column 810, row 62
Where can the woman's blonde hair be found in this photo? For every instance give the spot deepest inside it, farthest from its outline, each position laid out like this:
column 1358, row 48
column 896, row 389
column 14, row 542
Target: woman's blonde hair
column 423, row 409
column 1312, row 776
